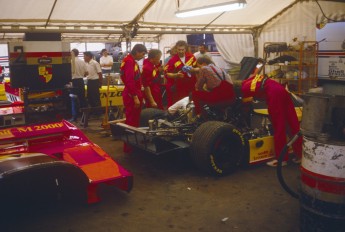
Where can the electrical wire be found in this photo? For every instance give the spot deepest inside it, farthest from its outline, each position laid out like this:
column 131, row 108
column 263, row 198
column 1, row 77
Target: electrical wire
column 280, row 177
column 323, row 13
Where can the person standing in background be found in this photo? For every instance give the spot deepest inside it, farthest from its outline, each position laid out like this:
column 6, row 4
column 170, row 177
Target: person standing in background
column 94, row 80
column 79, row 71
column 180, row 83
column 151, row 80
column 106, row 62
column 171, row 53
column 202, row 52
column 132, row 93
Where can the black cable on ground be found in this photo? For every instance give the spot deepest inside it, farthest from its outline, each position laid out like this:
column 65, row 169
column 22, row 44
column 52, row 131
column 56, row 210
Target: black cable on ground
column 279, row 166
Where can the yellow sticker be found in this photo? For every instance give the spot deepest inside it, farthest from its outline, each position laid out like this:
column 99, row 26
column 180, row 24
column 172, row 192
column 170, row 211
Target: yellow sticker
column 41, row 70
column 48, row 77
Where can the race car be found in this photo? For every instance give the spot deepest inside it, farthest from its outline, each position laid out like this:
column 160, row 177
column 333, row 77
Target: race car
column 217, row 143
column 44, row 158
column 54, row 161
column 113, row 94
column 217, row 146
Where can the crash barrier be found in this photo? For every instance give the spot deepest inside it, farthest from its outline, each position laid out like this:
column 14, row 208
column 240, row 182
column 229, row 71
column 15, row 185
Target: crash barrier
column 322, row 196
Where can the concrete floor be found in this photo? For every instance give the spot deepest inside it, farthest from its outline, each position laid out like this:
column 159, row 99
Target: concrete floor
column 170, row 194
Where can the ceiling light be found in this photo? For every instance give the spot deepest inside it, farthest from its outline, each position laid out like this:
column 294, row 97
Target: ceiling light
column 222, row 7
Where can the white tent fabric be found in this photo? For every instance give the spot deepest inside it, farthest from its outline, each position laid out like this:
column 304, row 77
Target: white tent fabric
column 297, row 22
column 255, row 13
column 168, row 41
column 234, row 47
column 300, row 22
column 122, row 11
column 113, row 20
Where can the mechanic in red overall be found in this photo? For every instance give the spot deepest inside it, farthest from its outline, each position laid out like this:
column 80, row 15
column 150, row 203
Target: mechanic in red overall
column 132, row 93
column 180, row 83
column 151, row 79
column 219, row 87
column 280, row 108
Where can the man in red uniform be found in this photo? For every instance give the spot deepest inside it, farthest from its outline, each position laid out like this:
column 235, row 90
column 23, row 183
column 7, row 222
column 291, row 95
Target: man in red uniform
column 219, row 87
column 280, row 108
column 132, row 94
column 179, row 84
column 151, row 80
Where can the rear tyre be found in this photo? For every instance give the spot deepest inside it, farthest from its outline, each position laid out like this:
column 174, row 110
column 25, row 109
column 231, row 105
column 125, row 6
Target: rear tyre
column 217, row 148
column 150, row 113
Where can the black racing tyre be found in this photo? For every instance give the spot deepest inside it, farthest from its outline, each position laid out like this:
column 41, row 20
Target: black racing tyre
column 217, row 148
column 150, row 113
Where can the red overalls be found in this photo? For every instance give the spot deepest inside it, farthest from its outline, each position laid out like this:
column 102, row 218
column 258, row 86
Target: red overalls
column 151, row 78
column 280, row 108
column 130, row 76
column 179, row 88
column 221, row 95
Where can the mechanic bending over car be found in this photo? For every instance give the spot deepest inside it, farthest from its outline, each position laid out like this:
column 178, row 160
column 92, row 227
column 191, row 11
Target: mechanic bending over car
column 280, row 108
column 132, row 93
column 213, row 87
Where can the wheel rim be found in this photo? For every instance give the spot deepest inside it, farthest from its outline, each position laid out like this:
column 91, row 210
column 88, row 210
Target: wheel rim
column 225, row 154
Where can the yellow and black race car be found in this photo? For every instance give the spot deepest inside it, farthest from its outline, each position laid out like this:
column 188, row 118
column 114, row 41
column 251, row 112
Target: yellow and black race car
column 216, row 145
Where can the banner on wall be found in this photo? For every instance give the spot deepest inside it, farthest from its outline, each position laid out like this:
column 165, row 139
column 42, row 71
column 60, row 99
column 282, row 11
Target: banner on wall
column 331, row 55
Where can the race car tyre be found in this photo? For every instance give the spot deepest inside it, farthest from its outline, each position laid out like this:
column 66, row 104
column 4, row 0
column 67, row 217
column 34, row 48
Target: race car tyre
column 150, row 113
column 41, row 181
column 217, row 148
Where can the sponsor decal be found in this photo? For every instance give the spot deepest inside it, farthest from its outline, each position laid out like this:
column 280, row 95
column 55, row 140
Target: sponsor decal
column 214, row 166
column 40, row 127
column 5, row 134
column 45, row 73
column 45, row 60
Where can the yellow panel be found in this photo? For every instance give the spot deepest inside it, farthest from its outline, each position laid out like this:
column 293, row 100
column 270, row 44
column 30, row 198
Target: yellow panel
column 2, row 93
column 265, row 112
column 263, row 152
column 115, row 95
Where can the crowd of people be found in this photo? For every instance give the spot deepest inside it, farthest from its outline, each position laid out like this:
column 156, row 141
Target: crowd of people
column 187, row 76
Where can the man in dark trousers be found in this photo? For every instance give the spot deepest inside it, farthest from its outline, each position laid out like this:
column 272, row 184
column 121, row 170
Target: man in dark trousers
column 94, row 80
column 132, row 93
column 79, row 71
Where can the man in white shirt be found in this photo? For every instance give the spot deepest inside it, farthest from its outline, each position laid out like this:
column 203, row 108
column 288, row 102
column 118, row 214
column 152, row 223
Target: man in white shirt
column 202, row 52
column 106, row 62
column 94, row 80
column 79, row 71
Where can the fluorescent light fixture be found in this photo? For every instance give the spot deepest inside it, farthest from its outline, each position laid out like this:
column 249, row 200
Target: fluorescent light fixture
column 226, row 6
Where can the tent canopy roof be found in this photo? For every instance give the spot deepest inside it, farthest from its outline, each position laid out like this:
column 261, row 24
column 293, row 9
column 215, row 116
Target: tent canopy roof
column 116, row 19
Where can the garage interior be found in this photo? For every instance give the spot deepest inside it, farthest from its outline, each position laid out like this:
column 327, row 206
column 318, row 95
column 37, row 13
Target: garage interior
column 169, row 192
